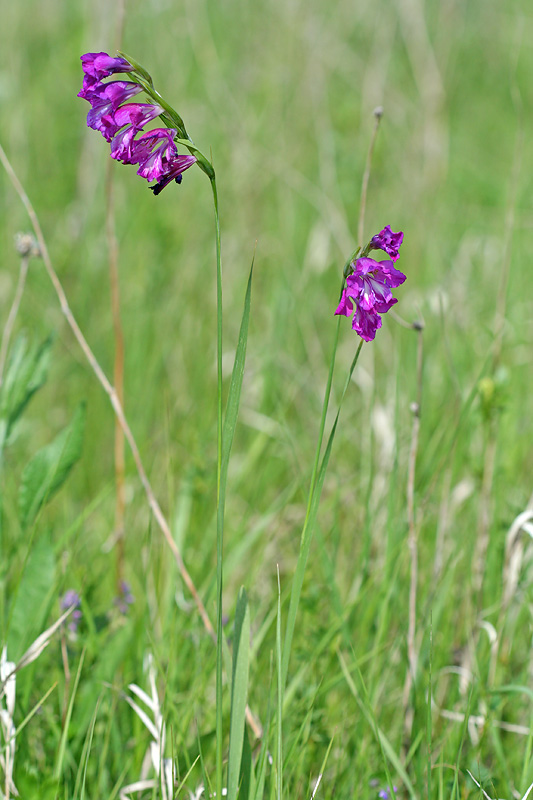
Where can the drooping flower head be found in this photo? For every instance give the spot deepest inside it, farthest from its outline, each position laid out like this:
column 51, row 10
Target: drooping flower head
column 388, row 241
column 367, row 293
column 122, row 123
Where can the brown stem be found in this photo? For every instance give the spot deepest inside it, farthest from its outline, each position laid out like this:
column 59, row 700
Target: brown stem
column 378, row 113
column 412, row 541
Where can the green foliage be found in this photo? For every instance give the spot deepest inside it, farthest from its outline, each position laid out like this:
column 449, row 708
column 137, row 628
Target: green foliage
column 26, row 373
column 32, row 599
column 282, row 94
column 239, row 697
column 48, row 469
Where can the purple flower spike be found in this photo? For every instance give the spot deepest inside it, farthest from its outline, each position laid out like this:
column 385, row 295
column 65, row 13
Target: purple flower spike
column 388, row 241
column 100, row 65
column 119, row 122
column 69, row 599
column 368, row 288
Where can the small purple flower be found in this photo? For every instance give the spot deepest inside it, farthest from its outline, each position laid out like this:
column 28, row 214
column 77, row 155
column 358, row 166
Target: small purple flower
column 100, row 65
column 110, row 94
column 369, row 287
column 109, row 122
column 69, row 599
column 386, row 794
column 125, row 598
column 388, row 241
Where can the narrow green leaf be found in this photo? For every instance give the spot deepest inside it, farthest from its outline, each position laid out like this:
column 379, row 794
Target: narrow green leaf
column 234, row 395
column 48, row 469
column 239, row 692
column 263, row 755
column 58, row 769
column 247, row 780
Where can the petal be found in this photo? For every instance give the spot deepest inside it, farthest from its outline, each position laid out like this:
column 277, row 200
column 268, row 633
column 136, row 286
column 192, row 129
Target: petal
column 388, row 241
column 345, row 306
column 366, row 323
column 387, row 271
column 362, row 266
column 383, row 307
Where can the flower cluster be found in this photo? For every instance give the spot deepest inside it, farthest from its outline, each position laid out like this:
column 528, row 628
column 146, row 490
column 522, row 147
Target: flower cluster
column 119, row 122
column 368, row 285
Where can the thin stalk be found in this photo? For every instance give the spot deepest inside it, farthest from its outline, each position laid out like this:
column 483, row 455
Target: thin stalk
column 221, row 498
column 13, row 311
column 118, row 375
column 118, row 366
column 412, row 540
column 378, row 113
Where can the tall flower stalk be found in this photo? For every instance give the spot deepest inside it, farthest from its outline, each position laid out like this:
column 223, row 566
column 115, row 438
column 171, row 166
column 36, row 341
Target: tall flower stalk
column 122, row 123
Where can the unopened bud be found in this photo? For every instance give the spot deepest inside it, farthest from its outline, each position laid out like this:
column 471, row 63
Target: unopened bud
column 26, row 245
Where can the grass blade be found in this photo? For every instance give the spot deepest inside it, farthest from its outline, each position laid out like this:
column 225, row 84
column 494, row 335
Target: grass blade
column 239, row 692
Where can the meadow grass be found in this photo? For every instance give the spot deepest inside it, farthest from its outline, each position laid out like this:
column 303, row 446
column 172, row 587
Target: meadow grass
column 282, row 94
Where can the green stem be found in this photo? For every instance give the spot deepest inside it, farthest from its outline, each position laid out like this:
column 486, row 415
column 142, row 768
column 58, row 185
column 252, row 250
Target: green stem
column 315, row 490
column 221, row 495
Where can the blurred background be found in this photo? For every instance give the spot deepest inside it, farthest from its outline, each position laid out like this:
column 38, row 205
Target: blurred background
column 282, row 94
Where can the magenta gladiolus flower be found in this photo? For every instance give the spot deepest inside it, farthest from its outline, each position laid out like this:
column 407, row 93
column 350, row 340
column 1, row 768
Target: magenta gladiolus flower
column 110, row 94
column 368, row 294
column 100, row 65
column 119, row 122
column 388, row 241
column 109, row 122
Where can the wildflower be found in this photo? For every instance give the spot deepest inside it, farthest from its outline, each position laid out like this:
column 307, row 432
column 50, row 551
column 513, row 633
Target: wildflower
column 369, row 287
column 100, row 65
column 125, row 598
column 386, row 794
column 110, row 94
column 109, row 122
column 69, row 599
column 388, row 241
column 120, row 122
